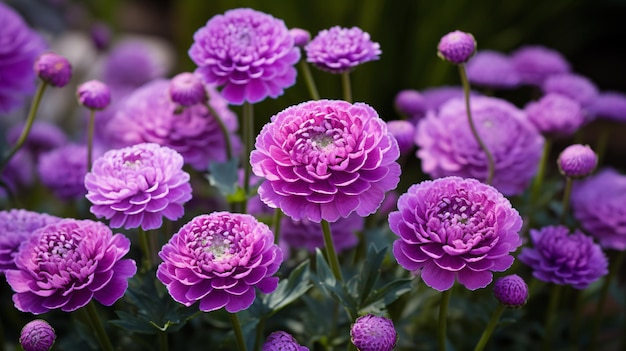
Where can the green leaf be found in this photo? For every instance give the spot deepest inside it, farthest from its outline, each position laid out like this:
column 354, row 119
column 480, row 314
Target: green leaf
column 290, row 289
column 224, row 176
column 370, row 273
column 330, row 286
column 390, row 292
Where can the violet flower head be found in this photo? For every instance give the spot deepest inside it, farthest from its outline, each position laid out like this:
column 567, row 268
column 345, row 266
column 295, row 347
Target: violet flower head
column 565, row 259
column 101, row 35
column 129, row 65
column 325, row 159
column 137, row 186
column 411, row 104
column 19, row 173
column 16, row 227
column 574, row 86
column 250, row 53
column 455, row 228
column 492, row 69
column 150, row 116
column 436, row 97
column 20, row 48
column 43, row 137
column 219, row 259
column 301, row 37
column 309, row 235
column 404, row 132
column 456, row 47
column 610, row 105
column 63, row 170
column 577, row 161
column 373, row 333
column 53, row 69
column 555, row 115
column 94, row 95
column 511, row 291
column 46, row 278
column 535, row 63
column 186, row 89
column 598, row 205
column 282, row 341
column 338, row 50
column 37, row 335
column 447, row 146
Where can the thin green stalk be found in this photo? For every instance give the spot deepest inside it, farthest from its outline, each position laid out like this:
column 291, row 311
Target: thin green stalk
column 308, row 79
column 248, row 134
column 330, row 250
column 144, row 242
column 466, row 91
column 551, row 316
column 234, row 320
column 566, row 195
column 541, row 170
column 163, row 340
column 346, row 87
column 495, row 317
column 260, row 328
column 278, row 214
column 443, row 319
column 27, row 126
column 602, row 142
column 225, row 132
column 90, row 130
column 103, row 338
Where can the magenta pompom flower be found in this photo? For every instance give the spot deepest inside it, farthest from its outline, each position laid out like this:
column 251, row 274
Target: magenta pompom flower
column 456, row 47
column 373, row 333
column 282, row 341
column 577, row 161
column 535, row 63
column 564, row 258
column 301, row 37
column 53, row 69
column 138, row 185
column 218, row 260
column 186, row 89
column 454, row 228
column 37, row 335
column 511, row 291
column 339, row 50
column 555, row 114
column 94, row 95
column 63, row 170
column 249, row 52
column 325, row 159
column 65, row 264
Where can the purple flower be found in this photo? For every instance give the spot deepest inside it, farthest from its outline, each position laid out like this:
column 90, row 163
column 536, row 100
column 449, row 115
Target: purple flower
column 150, row 116
column 94, row 95
column 410, row 103
column 598, row 204
column 37, row 335
column 63, row 171
column 186, row 89
column 138, row 186
column 130, row 64
column 555, row 114
column 565, row 259
column 436, row 97
column 53, row 69
column 511, row 291
column 282, row 341
column 16, row 227
column 20, row 47
column 447, row 147
column 43, row 137
column 572, row 85
column 309, row 235
column 373, row 333
column 65, row 264
column 535, row 63
column 577, row 161
column 609, row 105
column 101, row 35
column 19, row 172
column 301, row 37
column 456, row 47
column 218, row 259
column 492, row 69
column 248, row 52
column 338, row 50
column 325, row 159
column 455, row 228
column 404, row 132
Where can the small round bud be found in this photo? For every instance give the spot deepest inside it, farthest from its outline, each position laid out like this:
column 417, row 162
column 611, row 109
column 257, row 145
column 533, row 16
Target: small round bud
column 94, row 95
column 300, row 36
column 456, row 47
column 511, row 291
column 577, row 161
column 373, row 333
column 37, row 335
column 53, row 69
column 410, row 103
column 280, row 340
column 404, row 132
column 186, row 89
column 101, row 36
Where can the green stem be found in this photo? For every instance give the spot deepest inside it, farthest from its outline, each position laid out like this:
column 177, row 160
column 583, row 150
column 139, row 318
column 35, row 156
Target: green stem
column 103, row 338
column 144, row 242
column 443, row 315
column 346, row 87
column 234, row 320
column 27, row 126
column 602, row 142
column 163, row 340
column 551, row 316
column 90, row 130
column 575, row 327
column 566, row 195
column 260, row 328
column 308, row 79
column 541, row 170
column 248, row 134
column 278, row 214
column 466, row 92
column 490, row 327
column 223, row 128
column 330, row 250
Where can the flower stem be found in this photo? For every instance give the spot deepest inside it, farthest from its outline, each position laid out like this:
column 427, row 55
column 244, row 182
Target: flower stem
column 490, row 327
column 602, row 142
column 223, row 128
column 566, row 195
column 90, row 130
column 248, row 140
column 330, row 250
column 551, row 316
column 536, row 187
column 443, row 314
column 346, row 87
column 278, row 214
column 260, row 328
column 466, row 92
column 234, row 320
column 308, row 79
column 576, row 319
column 145, row 247
column 163, row 340
column 27, row 126
column 103, row 338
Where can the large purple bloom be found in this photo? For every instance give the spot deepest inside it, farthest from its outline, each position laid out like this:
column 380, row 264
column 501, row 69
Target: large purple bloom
column 19, row 48
column 574, row 86
column 555, row 114
column 535, row 63
column 454, row 228
column 492, row 69
column 447, row 147
column 150, row 116
column 599, row 205
column 63, row 170
column 218, row 259
column 65, row 264
column 248, row 52
column 563, row 258
column 309, row 235
column 325, row 159
column 138, row 186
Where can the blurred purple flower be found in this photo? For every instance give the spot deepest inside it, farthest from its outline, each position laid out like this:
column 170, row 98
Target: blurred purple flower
column 43, row 137
column 53, row 69
column 456, row 47
column 65, row 264
column 609, row 105
column 282, row 341
column 101, row 35
column 325, row 159
column 436, row 97
column 218, row 259
column 555, row 115
column 574, row 86
column 250, row 53
column 138, row 186
column 309, row 235
column 511, row 291
column 447, row 147
column 565, row 259
column 129, row 65
column 63, row 171
column 411, row 104
column 404, row 132
column 577, row 161
column 492, row 69
column 301, row 37
column 186, row 89
column 18, row 173
column 455, row 228
column 37, row 335
column 373, row 333
column 535, row 63
column 94, row 95
column 338, row 50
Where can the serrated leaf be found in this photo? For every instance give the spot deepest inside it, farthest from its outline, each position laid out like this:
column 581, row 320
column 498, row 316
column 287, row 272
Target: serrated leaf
column 290, row 289
column 390, row 292
column 369, row 275
column 224, row 176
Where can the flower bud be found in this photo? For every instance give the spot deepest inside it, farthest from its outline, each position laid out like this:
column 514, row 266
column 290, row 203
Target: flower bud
column 94, row 95
column 456, row 47
column 373, row 333
column 186, row 89
column 53, row 69
column 300, row 36
column 37, row 335
column 577, row 161
column 511, row 291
